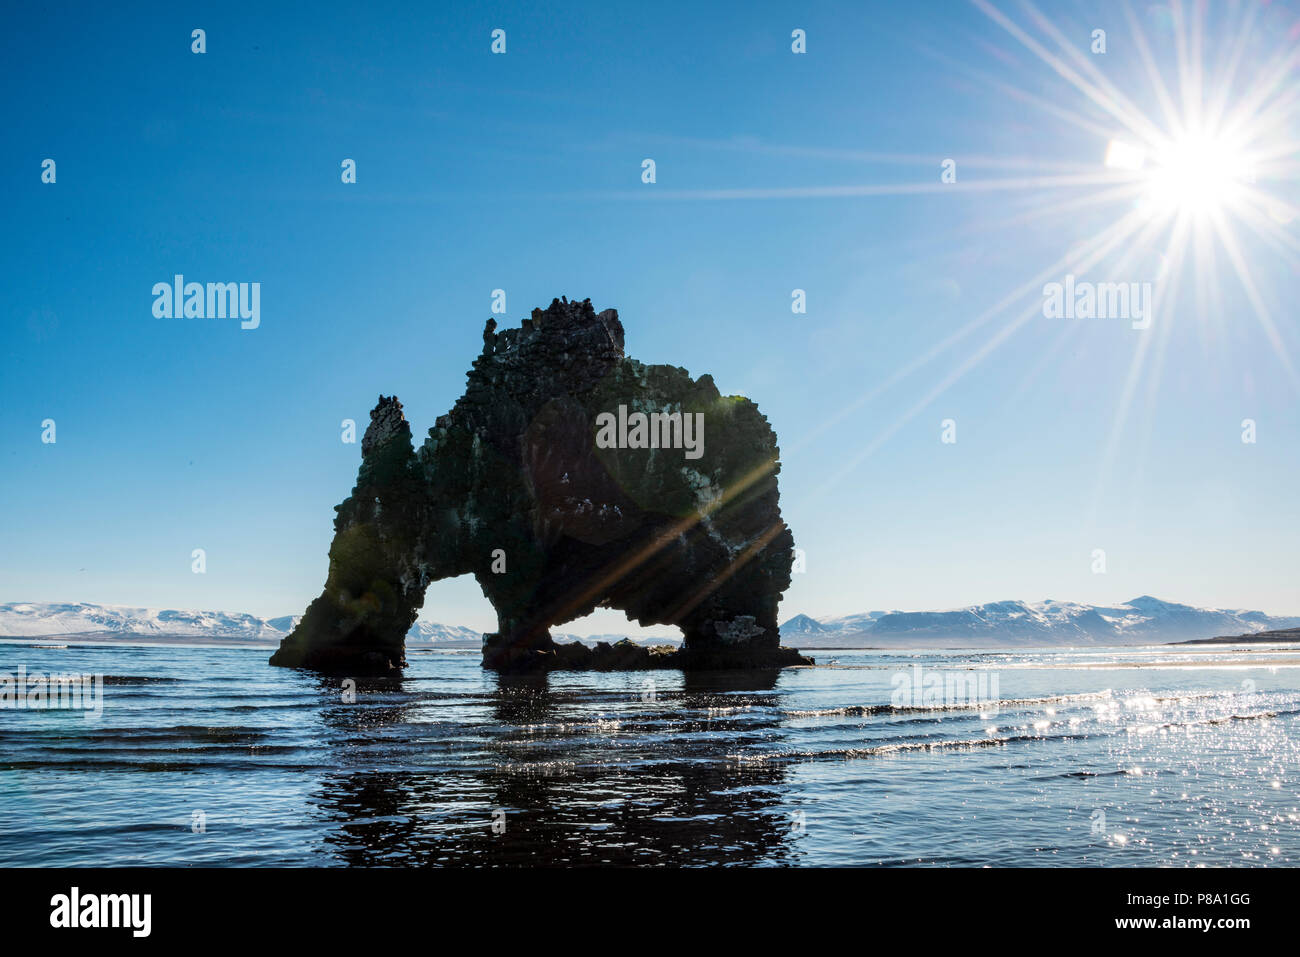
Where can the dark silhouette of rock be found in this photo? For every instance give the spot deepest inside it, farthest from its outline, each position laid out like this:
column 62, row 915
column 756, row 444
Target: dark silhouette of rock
column 513, row 487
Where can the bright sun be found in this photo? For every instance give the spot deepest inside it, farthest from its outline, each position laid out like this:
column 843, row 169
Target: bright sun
column 1192, row 174
column 1197, row 174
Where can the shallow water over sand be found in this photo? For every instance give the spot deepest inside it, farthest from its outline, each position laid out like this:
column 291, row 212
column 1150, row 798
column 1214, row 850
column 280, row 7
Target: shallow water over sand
column 1108, row 757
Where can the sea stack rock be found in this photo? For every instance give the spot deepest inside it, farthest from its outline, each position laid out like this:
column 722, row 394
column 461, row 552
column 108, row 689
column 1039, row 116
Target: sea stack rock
column 567, row 477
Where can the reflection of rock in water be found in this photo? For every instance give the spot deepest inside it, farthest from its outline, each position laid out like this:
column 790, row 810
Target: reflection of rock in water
column 664, row 788
column 721, row 682
column 524, row 699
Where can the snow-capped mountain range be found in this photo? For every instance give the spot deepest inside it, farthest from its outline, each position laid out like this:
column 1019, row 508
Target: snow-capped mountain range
column 35, row 619
column 1139, row 621
column 39, row 619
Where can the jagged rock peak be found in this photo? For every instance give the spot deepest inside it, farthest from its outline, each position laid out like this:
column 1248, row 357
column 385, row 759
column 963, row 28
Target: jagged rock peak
column 561, row 324
column 386, row 421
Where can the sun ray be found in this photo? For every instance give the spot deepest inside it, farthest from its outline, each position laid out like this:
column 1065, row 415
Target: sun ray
column 1032, row 286
column 1129, row 190
column 1228, row 239
column 866, row 189
column 1134, row 122
column 1173, row 257
column 1250, row 106
column 1223, row 83
column 1073, row 117
column 1121, row 230
column 1187, row 50
column 1132, row 116
column 1173, row 122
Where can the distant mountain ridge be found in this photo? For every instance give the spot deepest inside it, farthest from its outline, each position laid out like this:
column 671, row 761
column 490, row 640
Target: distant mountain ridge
column 1142, row 620
column 35, row 619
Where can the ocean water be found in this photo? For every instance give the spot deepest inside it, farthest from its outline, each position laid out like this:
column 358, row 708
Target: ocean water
column 1100, row 757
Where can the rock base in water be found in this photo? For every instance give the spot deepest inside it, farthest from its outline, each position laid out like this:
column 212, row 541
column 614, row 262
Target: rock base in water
column 628, row 655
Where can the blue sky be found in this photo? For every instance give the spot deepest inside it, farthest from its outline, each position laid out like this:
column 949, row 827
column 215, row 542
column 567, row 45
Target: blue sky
column 522, row 171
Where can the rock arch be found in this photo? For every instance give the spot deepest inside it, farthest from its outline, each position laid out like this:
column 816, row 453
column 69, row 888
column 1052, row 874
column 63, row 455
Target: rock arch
column 515, row 470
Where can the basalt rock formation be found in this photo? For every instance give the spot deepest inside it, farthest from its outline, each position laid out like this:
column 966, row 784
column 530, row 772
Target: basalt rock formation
column 527, row 485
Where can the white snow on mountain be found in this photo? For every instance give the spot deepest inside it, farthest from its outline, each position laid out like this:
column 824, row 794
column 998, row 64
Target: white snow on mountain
column 615, row 638
column 34, row 619
column 433, row 632
column 1049, row 622
column 41, row 619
